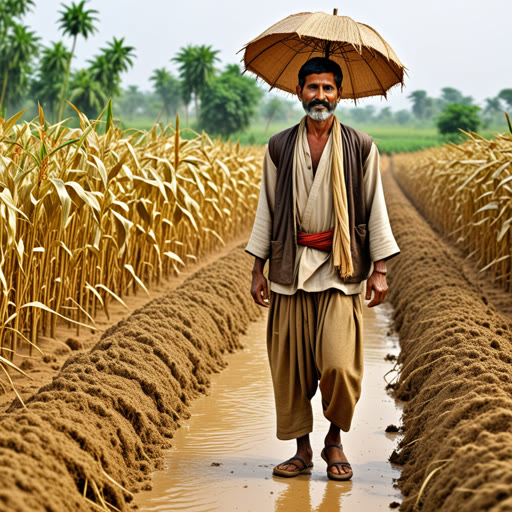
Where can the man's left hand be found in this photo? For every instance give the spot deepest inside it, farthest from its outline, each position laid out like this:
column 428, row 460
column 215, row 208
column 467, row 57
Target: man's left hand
column 377, row 284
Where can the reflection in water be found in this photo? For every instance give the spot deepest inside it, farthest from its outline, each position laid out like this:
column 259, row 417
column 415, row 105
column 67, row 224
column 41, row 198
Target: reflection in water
column 223, row 456
column 301, row 493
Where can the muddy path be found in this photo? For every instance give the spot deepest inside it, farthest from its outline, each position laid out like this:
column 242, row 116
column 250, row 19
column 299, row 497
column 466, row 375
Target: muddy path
column 93, row 434
column 455, row 360
column 223, row 456
column 42, row 368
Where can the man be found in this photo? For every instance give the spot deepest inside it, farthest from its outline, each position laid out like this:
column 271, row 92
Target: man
column 322, row 223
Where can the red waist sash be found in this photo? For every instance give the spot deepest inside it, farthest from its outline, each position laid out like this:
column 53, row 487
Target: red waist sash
column 321, row 241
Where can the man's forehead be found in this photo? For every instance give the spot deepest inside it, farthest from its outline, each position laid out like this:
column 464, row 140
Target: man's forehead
column 320, row 78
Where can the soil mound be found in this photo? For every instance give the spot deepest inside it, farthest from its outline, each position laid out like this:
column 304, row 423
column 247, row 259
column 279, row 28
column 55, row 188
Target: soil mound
column 99, row 428
column 456, row 355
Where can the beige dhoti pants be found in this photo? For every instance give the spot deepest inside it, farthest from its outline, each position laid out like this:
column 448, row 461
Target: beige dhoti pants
column 315, row 339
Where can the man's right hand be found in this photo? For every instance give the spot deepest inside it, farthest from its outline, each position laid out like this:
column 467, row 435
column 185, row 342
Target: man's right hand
column 259, row 287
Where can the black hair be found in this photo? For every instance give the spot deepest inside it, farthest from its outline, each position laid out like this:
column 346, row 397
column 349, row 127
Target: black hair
column 318, row 65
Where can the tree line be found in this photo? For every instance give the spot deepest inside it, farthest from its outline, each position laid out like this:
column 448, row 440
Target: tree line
column 224, row 101
column 221, row 101
column 448, row 112
column 424, row 107
column 49, row 80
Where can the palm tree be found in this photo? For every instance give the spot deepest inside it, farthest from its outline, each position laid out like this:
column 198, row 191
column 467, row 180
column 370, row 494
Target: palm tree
column 232, row 69
column 506, row 96
column 19, row 47
column 107, row 67
column 421, row 104
column 15, row 7
column 9, row 10
column 186, row 98
column 101, row 71
column 196, row 67
column 86, row 93
column 75, row 21
column 168, row 90
column 132, row 100
column 160, row 79
column 52, row 69
column 120, row 56
column 492, row 108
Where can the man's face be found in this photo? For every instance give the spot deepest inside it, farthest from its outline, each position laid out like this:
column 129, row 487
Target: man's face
column 319, row 96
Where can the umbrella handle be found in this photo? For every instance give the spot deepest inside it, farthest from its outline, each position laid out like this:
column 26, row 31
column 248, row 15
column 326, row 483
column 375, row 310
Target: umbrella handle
column 328, row 46
column 327, row 49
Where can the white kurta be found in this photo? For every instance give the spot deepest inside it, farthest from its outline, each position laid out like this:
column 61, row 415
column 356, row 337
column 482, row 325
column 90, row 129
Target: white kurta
column 314, row 270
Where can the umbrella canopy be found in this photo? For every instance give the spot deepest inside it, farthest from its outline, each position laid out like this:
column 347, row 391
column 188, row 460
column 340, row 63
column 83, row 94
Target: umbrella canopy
column 370, row 66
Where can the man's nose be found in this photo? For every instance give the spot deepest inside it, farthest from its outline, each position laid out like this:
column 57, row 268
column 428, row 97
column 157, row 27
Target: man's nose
column 320, row 93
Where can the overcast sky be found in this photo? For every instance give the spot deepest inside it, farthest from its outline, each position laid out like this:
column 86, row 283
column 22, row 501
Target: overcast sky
column 459, row 43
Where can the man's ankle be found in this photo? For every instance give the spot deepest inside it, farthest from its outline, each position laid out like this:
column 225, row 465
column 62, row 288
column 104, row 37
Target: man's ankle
column 332, row 440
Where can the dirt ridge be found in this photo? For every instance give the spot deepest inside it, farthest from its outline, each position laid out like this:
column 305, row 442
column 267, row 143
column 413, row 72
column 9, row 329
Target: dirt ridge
column 104, row 420
column 456, row 351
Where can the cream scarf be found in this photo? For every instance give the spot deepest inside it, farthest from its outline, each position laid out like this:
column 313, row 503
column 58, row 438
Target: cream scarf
column 341, row 254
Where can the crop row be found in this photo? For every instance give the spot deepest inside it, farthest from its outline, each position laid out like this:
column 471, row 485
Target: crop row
column 466, row 192
column 87, row 217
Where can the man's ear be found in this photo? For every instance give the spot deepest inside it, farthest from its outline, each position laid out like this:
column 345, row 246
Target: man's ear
column 339, row 93
column 299, row 92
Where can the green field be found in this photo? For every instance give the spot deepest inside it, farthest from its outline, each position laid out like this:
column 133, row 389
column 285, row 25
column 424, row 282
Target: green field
column 389, row 138
column 402, row 139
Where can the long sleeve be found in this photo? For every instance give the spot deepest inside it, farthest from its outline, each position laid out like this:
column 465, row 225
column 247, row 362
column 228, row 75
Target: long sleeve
column 382, row 241
column 259, row 242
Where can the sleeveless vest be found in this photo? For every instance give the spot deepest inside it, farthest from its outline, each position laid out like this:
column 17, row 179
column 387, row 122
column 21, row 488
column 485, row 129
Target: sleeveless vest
column 356, row 148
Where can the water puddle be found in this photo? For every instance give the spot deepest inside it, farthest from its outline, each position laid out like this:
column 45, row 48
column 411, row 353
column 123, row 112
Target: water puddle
column 223, row 455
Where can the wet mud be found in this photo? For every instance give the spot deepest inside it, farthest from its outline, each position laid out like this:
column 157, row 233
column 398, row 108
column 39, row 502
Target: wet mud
column 222, row 458
column 455, row 374
column 91, row 437
column 94, row 435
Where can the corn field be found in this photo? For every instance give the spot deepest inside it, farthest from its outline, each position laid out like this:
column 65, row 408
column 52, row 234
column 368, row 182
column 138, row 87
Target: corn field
column 86, row 218
column 466, row 192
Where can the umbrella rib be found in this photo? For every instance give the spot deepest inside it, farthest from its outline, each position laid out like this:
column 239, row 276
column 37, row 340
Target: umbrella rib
column 265, row 50
column 311, row 53
column 362, row 46
column 287, row 64
column 281, row 41
column 351, row 83
column 383, row 41
column 375, row 75
column 305, row 45
column 385, row 44
column 400, row 79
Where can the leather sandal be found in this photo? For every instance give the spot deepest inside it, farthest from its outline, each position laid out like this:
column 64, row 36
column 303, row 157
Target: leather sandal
column 306, row 469
column 338, row 464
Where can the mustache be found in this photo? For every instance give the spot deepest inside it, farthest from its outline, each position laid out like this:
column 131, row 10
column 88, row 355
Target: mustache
column 324, row 103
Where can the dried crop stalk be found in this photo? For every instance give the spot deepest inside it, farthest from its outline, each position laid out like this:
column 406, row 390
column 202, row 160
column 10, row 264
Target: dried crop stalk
column 85, row 218
column 466, row 191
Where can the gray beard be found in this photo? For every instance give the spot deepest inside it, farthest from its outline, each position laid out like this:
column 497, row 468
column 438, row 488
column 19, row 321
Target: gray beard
column 319, row 115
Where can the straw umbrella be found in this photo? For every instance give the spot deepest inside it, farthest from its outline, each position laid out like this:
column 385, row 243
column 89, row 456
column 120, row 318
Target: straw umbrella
column 369, row 64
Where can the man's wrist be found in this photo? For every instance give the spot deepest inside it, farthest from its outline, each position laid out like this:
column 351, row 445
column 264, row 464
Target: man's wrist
column 259, row 265
column 380, row 267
